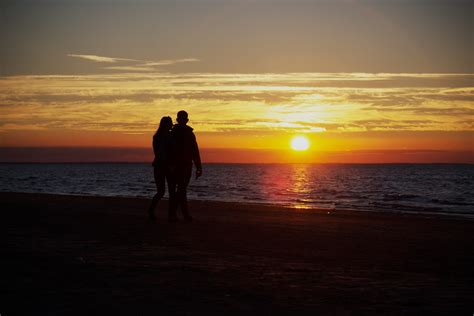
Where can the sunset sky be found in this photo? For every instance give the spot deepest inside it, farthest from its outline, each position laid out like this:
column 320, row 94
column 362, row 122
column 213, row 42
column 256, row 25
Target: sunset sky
column 364, row 81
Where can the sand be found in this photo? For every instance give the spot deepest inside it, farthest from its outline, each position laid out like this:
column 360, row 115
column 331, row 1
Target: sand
column 72, row 255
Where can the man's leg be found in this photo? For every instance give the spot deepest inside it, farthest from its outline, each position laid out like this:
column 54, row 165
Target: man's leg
column 181, row 191
column 173, row 201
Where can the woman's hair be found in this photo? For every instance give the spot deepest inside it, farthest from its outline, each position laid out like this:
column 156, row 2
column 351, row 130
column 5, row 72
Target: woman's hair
column 166, row 124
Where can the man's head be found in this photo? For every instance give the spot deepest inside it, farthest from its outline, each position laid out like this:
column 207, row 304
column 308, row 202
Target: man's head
column 182, row 117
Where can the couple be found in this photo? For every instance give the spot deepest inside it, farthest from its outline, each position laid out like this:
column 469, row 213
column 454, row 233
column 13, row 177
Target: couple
column 175, row 149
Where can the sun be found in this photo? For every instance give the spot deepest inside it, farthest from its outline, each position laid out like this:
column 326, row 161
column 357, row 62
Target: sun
column 299, row 143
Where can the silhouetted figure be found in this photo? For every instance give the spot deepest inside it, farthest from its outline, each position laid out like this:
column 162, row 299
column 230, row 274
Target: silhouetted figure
column 184, row 152
column 161, row 170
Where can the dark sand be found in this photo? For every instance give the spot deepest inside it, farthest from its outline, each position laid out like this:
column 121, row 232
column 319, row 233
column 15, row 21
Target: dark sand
column 71, row 255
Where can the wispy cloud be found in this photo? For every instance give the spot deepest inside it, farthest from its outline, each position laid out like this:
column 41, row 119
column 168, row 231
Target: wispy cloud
column 133, row 65
column 167, row 62
column 102, row 59
column 130, row 68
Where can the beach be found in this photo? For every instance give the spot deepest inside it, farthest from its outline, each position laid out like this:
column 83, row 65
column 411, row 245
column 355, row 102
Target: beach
column 77, row 255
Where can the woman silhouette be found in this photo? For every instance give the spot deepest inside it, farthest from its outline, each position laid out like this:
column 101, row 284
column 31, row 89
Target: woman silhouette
column 161, row 141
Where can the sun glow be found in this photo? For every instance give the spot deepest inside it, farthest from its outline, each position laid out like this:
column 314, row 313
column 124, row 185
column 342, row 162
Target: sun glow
column 299, row 143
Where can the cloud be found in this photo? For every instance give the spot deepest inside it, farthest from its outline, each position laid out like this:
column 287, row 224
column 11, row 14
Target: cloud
column 101, row 59
column 167, row 62
column 130, row 68
column 234, row 103
column 133, row 65
column 456, row 111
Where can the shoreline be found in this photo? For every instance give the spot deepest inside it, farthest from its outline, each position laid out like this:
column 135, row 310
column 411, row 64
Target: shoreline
column 275, row 206
column 80, row 254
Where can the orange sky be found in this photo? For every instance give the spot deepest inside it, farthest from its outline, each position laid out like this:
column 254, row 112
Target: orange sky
column 336, row 112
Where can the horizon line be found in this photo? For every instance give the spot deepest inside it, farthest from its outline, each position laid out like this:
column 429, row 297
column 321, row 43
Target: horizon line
column 238, row 163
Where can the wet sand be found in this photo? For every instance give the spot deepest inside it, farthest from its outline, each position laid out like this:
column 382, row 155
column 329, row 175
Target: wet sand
column 72, row 255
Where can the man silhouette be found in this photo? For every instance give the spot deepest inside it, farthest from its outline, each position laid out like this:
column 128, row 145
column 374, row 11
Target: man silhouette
column 184, row 151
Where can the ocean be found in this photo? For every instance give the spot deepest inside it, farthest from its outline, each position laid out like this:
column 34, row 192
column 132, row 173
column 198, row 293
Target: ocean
column 402, row 188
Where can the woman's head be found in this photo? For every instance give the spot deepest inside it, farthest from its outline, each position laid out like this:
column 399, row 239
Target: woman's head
column 166, row 124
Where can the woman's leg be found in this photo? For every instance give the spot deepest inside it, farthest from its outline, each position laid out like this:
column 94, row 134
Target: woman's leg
column 159, row 176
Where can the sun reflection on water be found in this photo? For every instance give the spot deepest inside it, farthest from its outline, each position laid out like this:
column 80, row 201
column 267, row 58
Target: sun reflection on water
column 293, row 184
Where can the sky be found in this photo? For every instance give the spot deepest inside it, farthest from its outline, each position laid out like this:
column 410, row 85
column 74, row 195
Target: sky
column 364, row 81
